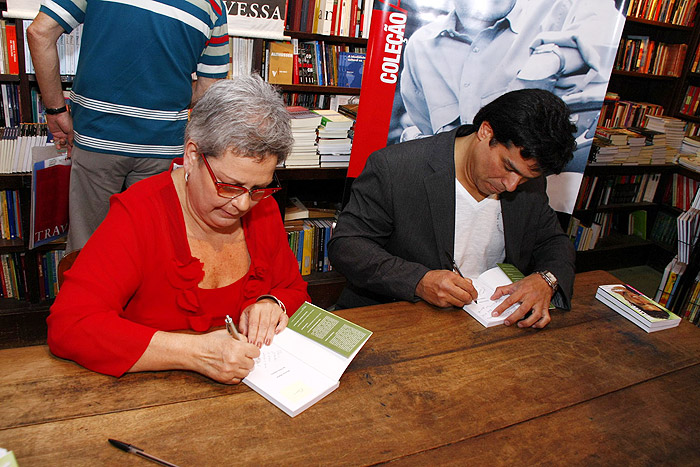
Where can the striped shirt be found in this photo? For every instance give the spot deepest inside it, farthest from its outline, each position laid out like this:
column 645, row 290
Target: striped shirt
column 133, row 84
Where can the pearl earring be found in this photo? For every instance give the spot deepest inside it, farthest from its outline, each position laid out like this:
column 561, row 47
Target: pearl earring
column 187, row 176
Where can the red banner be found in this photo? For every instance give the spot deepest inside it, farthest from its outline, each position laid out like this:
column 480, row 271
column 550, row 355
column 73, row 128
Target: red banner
column 379, row 80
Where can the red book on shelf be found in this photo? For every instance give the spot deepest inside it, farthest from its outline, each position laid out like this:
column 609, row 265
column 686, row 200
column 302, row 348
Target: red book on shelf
column 49, row 207
column 12, row 57
column 310, row 16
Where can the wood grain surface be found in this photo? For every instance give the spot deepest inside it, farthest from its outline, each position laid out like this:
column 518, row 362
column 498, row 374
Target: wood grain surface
column 430, row 387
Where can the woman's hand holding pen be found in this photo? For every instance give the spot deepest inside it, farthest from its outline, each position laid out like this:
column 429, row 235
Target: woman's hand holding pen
column 534, row 294
column 224, row 359
column 446, row 288
column 260, row 322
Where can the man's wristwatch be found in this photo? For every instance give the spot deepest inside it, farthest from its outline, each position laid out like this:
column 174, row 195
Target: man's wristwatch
column 57, row 110
column 550, row 279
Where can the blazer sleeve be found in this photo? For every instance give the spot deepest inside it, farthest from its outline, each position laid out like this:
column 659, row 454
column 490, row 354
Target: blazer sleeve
column 553, row 251
column 358, row 246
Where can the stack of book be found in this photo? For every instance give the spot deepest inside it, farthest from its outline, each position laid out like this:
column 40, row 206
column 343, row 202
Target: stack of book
column 654, row 149
column 673, row 127
column 637, row 307
column 304, row 124
column 334, row 143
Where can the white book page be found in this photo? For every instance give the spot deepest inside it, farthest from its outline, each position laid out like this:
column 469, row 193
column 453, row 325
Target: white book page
column 323, row 359
column 485, row 286
column 286, row 381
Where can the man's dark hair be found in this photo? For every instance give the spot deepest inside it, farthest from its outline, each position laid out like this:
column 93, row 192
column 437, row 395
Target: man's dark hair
column 536, row 121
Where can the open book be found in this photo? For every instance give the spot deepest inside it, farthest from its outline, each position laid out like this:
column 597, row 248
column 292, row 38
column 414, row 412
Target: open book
column 485, row 286
column 305, row 361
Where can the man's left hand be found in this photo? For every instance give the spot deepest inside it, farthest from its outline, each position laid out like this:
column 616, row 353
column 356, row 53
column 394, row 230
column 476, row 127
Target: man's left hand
column 534, row 294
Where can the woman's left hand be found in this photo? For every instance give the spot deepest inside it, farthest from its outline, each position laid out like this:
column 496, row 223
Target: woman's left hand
column 260, row 321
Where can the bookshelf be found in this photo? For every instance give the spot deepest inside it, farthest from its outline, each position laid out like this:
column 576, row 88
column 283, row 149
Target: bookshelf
column 642, row 84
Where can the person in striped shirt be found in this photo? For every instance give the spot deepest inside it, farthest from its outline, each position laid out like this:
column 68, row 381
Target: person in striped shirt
column 131, row 93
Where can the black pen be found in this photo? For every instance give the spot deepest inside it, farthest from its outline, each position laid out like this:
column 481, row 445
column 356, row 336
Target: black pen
column 456, row 269
column 139, row 452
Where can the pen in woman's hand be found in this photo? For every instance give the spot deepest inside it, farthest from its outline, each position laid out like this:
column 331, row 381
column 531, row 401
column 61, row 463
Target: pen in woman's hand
column 231, row 328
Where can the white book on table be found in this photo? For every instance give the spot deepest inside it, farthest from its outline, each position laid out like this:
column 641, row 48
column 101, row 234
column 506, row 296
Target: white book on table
column 305, row 361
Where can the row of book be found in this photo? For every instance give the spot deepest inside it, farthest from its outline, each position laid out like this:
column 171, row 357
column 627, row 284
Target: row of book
column 690, row 307
column 691, row 101
column 47, row 264
column 680, row 12
column 584, row 237
column 616, row 189
column 9, row 59
column 16, row 145
column 681, row 192
column 350, row 18
column 241, row 55
column 621, row 113
column 313, row 62
column 643, row 55
column 68, row 46
column 13, row 280
column 630, row 146
column 665, row 229
column 308, row 240
column 688, row 229
column 9, row 102
column 10, row 215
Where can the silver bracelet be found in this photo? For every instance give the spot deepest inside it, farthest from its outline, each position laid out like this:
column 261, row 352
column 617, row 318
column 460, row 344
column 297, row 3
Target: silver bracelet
column 272, row 297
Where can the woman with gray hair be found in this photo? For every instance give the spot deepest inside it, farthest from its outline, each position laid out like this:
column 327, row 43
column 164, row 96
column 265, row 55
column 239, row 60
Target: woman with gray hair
column 182, row 250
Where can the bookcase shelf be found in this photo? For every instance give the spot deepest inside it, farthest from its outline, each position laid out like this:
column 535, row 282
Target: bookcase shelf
column 658, row 24
column 635, row 74
column 305, row 36
column 310, row 88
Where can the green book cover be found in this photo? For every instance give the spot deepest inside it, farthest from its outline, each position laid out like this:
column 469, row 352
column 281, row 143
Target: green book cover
column 329, row 330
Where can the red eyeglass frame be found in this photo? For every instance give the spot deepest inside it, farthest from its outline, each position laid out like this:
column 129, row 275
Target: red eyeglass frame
column 256, row 194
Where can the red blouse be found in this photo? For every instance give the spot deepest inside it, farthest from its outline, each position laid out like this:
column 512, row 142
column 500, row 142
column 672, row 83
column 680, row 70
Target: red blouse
column 136, row 275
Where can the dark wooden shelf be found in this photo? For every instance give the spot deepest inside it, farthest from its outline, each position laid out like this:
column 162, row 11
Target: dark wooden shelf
column 305, row 36
column 7, row 78
column 314, row 89
column 658, row 24
column 621, row 251
column 325, row 287
column 691, row 118
column 635, row 74
column 325, row 173
column 617, row 207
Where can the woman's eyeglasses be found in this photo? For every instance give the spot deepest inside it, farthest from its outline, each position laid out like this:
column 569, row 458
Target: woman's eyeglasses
column 230, row 191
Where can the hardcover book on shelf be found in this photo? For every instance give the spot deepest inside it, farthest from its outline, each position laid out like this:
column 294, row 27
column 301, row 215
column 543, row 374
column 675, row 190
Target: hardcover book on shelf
column 281, row 62
column 305, row 361
column 49, row 204
column 350, row 65
column 637, row 307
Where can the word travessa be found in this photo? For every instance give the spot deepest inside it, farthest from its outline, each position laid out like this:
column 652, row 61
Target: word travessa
column 263, row 10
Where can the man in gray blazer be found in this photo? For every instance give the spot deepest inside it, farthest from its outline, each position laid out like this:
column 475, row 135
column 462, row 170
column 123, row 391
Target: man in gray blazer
column 475, row 194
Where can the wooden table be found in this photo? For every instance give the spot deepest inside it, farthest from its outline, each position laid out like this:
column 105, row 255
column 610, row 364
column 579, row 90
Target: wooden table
column 429, row 387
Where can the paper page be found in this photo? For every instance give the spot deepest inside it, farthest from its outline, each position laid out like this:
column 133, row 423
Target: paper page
column 286, row 381
column 485, row 286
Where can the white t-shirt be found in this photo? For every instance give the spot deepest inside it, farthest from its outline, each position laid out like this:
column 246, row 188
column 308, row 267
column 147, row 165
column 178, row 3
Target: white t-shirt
column 479, row 240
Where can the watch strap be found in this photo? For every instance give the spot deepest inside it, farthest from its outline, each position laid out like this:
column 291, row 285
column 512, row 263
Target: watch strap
column 56, row 110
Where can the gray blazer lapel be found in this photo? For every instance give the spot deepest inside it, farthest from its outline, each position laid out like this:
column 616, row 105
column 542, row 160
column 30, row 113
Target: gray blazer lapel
column 440, row 190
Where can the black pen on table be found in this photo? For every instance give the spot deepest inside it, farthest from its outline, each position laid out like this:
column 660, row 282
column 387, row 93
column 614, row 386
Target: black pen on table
column 231, row 328
column 455, row 268
column 138, row 451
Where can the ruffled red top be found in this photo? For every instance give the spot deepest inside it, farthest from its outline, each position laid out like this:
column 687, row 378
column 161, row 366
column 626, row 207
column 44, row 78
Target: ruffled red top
column 137, row 275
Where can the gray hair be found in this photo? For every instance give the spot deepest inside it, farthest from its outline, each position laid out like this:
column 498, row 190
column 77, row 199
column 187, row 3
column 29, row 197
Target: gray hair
column 245, row 115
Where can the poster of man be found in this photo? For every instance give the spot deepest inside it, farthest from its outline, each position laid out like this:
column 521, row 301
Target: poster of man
column 459, row 55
